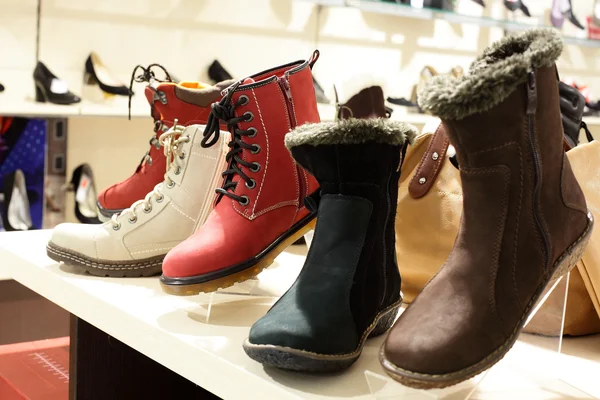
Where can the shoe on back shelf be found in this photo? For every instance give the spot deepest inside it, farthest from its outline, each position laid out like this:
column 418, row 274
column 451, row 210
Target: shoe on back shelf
column 16, row 215
column 97, row 74
column 82, row 184
column 49, row 88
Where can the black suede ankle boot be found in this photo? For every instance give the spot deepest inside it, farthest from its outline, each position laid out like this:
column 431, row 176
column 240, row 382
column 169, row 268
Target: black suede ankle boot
column 349, row 288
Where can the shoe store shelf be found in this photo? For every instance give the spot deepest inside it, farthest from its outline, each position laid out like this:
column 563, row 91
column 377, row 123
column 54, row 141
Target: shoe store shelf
column 32, row 109
column 405, row 10
column 174, row 331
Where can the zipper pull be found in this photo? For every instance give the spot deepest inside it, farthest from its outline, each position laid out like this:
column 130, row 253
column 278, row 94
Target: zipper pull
column 287, row 91
column 531, row 94
column 286, row 87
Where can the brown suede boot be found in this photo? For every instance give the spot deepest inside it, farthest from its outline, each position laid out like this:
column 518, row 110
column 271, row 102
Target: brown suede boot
column 525, row 222
column 367, row 103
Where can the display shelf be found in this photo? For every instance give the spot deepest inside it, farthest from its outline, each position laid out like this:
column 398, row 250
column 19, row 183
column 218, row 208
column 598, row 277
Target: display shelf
column 405, row 10
column 173, row 331
column 33, row 109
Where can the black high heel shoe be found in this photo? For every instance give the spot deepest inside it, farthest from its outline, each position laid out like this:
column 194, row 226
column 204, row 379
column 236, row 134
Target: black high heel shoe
column 48, row 87
column 82, row 183
column 514, row 5
column 97, row 74
column 16, row 215
column 217, row 73
column 1, row 87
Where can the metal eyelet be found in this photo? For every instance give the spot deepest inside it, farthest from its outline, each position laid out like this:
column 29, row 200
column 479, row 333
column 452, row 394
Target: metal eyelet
column 147, row 210
column 256, row 149
column 245, row 201
column 422, row 180
column 249, row 116
column 178, row 171
column 435, row 156
column 244, row 100
column 182, row 155
column 255, row 167
column 171, row 185
column 251, row 184
column 160, row 199
column 133, row 220
column 253, row 134
column 117, row 227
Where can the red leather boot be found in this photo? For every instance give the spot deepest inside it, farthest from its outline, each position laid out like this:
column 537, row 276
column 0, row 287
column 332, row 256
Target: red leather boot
column 260, row 207
column 189, row 103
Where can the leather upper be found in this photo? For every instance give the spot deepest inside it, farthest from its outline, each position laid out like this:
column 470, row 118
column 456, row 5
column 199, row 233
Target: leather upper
column 170, row 221
column 233, row 232
column 476, row 301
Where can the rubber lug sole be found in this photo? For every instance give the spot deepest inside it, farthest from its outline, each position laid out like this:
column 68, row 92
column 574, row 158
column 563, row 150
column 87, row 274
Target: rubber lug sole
column 242, row 276
column 304, row 361
column 123, row 269
column 417, row 380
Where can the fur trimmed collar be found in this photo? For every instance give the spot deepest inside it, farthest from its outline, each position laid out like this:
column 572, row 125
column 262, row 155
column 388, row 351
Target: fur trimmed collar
column 351, row 131
column 493, row 76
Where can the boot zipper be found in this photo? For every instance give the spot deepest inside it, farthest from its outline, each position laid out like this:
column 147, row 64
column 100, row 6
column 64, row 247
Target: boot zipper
column 284, row 84
column 287, row 93
column 531, row 108
column 385, row 250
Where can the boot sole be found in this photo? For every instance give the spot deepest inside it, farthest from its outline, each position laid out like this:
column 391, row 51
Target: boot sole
column 117, row 269
column 241, row 272
column 417, row 380
column 305, row 361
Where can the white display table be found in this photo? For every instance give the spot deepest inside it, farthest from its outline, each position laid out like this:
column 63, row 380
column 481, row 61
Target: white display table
column 174, row 332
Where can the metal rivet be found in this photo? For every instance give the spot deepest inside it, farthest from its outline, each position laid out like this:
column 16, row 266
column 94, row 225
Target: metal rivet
column 422, row 181
column 435, row 156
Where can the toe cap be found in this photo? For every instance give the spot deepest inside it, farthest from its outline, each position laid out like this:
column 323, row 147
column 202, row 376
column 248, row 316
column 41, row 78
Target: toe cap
column 78, row 238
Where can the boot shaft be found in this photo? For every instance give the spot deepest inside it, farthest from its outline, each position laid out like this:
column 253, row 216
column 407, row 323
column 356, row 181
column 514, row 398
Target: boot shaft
column 188, row 102
column 359, row 161
column 504, row 121
column 270, row 104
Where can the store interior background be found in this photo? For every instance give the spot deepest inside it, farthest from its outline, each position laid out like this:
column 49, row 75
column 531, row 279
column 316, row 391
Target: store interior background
column 185, row 36
column 357, row 48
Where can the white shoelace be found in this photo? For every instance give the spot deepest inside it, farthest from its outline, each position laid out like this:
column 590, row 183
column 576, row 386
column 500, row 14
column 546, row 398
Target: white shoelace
column 171, row 141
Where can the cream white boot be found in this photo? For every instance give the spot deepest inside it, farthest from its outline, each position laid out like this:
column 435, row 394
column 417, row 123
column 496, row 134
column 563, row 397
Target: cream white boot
column 134, row 242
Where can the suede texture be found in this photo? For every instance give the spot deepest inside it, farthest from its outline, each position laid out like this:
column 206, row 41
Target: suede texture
column 276, row 201
column 368, row 171
column 477, row 300
column 315, row 314
column 368, row 103
column 123, row 194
